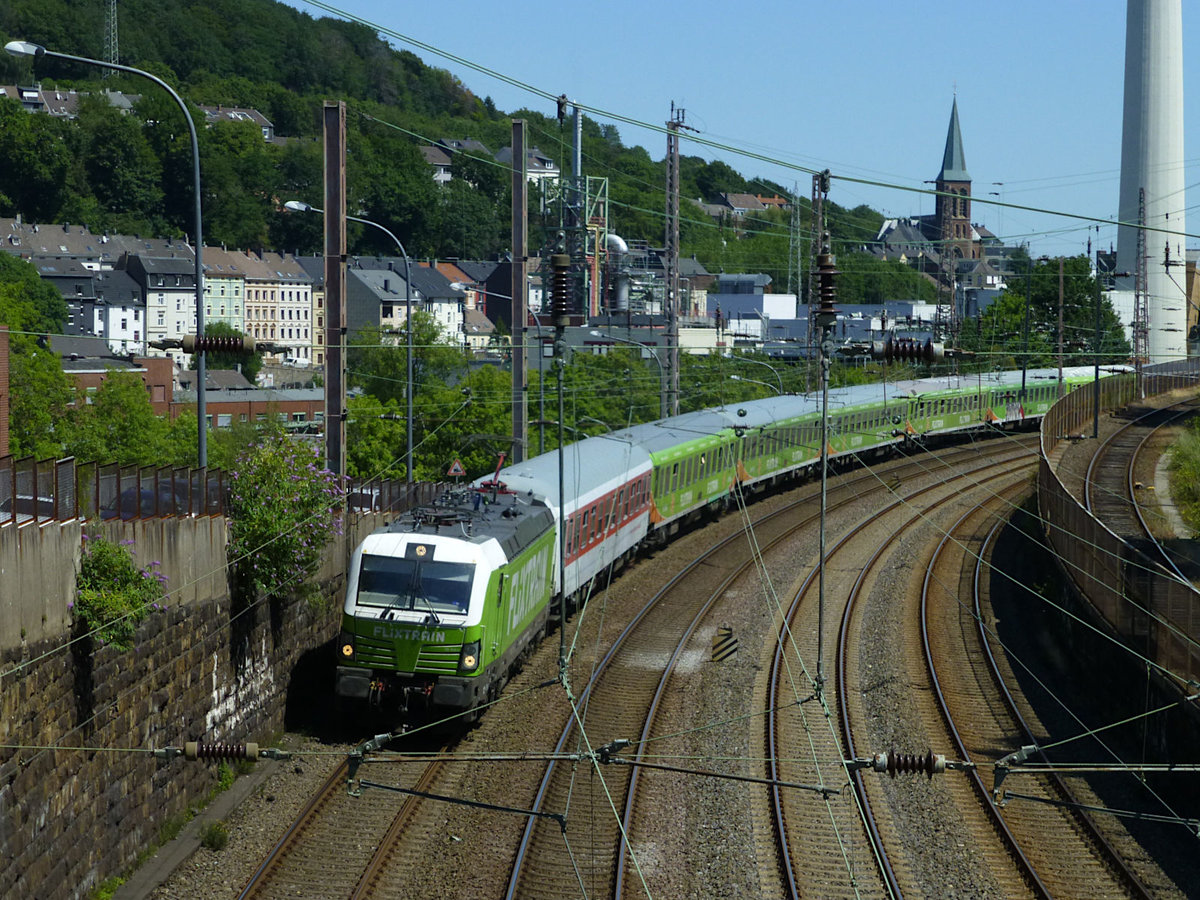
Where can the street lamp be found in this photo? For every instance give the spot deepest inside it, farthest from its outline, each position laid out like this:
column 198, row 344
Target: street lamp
column 25, row 48
column 769, row 387
column 300, row 206
column 662, row 373
column 759, row 362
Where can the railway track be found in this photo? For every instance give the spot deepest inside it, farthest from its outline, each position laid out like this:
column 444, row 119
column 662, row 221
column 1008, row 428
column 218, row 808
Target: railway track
column 620, row 700
column 1118, row 473
column 341, row 845
column 1053, row 852
column 608, row 821
column 860, row 839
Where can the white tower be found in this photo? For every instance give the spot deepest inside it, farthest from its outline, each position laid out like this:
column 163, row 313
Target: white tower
column 1152, row 162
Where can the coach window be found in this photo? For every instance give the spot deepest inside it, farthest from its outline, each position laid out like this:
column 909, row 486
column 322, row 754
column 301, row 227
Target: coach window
column 674, row 478
column 570, row 531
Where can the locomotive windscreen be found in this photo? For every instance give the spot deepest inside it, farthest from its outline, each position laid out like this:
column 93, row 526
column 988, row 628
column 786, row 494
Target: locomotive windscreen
column 420, row 585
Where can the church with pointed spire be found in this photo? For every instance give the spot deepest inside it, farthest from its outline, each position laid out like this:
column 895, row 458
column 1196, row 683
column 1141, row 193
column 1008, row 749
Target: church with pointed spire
column 952, row 218
column 947, row 246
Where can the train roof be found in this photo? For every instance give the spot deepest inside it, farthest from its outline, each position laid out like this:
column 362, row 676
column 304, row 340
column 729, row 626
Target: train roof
column 587, row 465
column 615, row 457
column 514, row 520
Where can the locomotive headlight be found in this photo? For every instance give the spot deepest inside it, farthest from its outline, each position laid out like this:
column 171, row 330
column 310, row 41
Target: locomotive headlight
column 468, row 660
column 346, row 645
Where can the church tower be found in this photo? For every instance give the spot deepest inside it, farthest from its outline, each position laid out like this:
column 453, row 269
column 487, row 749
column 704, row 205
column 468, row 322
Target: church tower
column 953, row 212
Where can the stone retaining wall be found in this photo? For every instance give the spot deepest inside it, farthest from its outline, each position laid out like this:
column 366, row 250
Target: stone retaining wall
column 71, row 818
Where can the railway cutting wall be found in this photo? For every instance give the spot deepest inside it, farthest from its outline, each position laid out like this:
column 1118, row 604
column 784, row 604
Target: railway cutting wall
column 81, row 795
column 1119, row 592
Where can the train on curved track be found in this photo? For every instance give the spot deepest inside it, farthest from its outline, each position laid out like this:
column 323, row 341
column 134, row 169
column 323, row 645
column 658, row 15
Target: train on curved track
column 442, row 604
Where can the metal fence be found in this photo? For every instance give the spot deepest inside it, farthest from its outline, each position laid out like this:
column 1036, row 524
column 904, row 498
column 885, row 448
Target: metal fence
column 61, row 490
column 1148, row 607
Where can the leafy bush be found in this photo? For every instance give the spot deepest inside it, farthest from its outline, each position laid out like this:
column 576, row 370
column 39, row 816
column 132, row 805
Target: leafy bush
column 214, row 836
column 112, row 595
column 1185, row 476
column 282, row 510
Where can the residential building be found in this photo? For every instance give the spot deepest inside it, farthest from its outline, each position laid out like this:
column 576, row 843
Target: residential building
column 216, row 114
column 539, row 167
column 168, row 284
column 279, row 304
column 295, row 307
column 439, row 159
column 61, row 103
column 295, row 408
column 224, row 287
column 89, row 366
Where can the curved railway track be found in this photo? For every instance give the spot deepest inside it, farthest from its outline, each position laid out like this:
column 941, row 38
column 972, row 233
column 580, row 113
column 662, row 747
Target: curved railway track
column 1116, row 476
column 603, row 809
column 1057, row 853
column 619, row 701
column 864, row 840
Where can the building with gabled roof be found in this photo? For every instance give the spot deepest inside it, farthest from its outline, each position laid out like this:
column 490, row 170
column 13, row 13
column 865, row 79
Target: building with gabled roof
column 169, row 285
column 216, row 114
column 224, row 287
column 439, row 160
column 538, row 166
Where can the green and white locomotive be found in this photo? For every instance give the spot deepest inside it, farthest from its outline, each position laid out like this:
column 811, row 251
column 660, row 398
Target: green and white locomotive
column 441, row 603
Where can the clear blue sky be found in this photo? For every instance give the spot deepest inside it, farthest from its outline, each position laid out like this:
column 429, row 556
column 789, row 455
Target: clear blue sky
column 862, row 87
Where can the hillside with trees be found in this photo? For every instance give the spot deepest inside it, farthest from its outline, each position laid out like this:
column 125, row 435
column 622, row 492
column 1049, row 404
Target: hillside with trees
column 132, row 173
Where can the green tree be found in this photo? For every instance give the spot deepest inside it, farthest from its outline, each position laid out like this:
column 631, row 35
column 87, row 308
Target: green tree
column 27, row 303
column 249, row 364
column 282, row 511
column 375, row 435
column 116, row 424
column 866, row 279
column 119, row 167
column 33, row 180
column 999, row 335
column 40, row 397
column 377, row 362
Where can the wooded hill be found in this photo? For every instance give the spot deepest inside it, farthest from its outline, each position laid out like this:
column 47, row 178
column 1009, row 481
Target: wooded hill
column 132, row 174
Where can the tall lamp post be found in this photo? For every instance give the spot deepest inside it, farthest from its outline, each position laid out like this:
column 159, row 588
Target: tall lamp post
column 24, row 49
column 300, row 206
column 662, row 373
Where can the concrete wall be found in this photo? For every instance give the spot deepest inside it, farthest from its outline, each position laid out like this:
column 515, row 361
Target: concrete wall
column 38, row 563
column 199, row 670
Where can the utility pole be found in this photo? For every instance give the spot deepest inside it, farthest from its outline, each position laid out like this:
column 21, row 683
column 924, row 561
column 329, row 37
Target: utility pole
column 794, row 248
column 1060, row 327
column 820, row 188
column 826, row 320
column 1141, row 305
column 335, row 288
column 112, row 48
column 519, row 292
column 671, row 294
